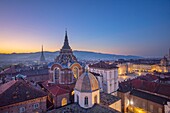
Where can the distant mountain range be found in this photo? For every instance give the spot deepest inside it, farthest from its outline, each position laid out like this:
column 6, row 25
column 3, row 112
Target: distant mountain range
column 50, row 56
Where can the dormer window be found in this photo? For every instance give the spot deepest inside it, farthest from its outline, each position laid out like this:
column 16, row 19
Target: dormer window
column 36, row 105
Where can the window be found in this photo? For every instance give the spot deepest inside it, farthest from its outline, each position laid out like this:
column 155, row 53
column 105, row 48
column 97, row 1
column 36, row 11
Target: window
column 77, row 99
column 22, row 109
column 95, row 99
column 110, row 74
column 151, row 108
column 72, row 93
column 76, row 72
column 36, row 105
column 56, row 73
column 159, row 110
column 64, row 102
column 86, row 101
column 143, row 104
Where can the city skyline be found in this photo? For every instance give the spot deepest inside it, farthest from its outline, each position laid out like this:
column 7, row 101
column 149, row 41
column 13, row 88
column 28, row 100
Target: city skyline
column 115, row 27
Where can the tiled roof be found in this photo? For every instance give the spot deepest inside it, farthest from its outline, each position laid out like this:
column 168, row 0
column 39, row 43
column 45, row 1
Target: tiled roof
column 34, row 72
column 57, row 89
column 108, row 99
column 151, row 97
column 18, row 91
column 75, row 108
column 9, row 70
column 153, row 87
column 148, row 77
column 4, row 87
column 103, row 65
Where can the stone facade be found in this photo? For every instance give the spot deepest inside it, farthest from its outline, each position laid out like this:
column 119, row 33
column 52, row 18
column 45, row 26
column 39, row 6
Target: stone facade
column 79, row 97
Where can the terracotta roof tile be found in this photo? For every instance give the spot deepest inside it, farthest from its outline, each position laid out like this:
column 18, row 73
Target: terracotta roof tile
column 18, row 91
column 57, row 89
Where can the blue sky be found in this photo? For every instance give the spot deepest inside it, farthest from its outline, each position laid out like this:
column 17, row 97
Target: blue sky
column 136, row 27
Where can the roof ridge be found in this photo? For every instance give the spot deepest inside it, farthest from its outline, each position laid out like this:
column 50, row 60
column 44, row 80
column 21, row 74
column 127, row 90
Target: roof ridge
column 7, row 85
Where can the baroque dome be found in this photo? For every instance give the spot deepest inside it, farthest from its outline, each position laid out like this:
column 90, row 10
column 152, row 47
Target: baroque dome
column 87, row 82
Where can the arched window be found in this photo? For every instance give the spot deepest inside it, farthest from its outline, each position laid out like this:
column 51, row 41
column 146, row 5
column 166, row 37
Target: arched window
column 95, row 99
column 86, row 101
column 76, row 72
column 56, row 73
column 70, row 76
column 63, row 102
column 77, row 99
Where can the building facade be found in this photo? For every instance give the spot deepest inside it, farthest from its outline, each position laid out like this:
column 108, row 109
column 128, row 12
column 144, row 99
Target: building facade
column 108, row 80
column 141, row 96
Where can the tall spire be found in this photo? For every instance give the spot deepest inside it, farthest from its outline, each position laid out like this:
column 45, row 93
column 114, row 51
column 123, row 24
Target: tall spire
column 42, row 52
column 66, row 43
column 42, row 58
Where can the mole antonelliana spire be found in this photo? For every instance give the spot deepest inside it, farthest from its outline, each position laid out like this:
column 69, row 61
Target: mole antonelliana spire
column 42, row 58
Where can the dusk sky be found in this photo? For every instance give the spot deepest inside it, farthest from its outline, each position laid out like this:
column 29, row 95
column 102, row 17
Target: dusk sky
column 128, row 27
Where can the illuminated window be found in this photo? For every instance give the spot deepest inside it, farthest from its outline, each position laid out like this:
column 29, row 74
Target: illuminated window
column 72, row 93
column 76, row 72
column 86, row 101
column 64, row 102
column 95, row 99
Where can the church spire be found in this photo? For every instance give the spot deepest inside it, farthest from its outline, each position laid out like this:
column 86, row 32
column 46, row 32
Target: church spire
column 66, row 43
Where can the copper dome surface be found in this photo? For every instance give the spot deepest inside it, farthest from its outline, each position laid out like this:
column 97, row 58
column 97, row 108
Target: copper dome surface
column 87, row 82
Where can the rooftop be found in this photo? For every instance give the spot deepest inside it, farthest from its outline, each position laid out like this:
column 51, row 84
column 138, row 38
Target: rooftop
column 75, row 108
column 57, row 89
column 148, row 96
column 145, row 85
column 34, row 72
column 87, row 82
column 103, row 65
column 18, row 91
column 108, row 99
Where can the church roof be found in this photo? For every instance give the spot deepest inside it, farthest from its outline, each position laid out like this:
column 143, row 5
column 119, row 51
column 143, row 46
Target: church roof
column 57, row 89
column 66, row 57
column 87, row 82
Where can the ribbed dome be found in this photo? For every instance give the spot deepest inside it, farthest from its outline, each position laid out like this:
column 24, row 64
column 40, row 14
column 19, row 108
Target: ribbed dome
column 87, row 82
